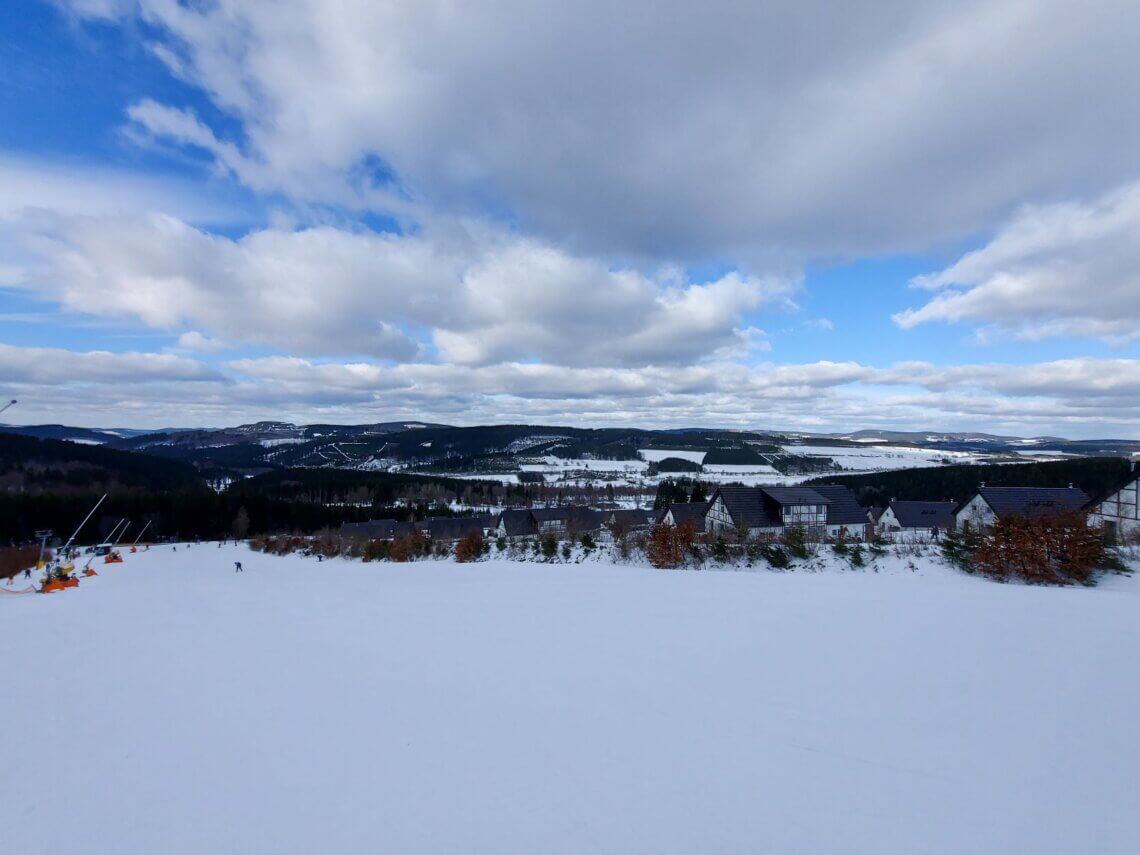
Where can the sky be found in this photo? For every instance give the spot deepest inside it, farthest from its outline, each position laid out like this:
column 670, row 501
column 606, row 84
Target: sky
column 917, row 215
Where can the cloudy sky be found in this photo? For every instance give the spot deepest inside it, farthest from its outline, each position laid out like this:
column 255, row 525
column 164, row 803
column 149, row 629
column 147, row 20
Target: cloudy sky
column 811, row 215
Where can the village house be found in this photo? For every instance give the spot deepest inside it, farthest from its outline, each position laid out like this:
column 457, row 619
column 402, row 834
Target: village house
column 769, row 511
column 914, row 520
column 990, row 503
column 516, row 522
column 384, row 529
column 567, row 520
column 1118, row 514
column 627, row 519
column 684, row 512
column 452, row 528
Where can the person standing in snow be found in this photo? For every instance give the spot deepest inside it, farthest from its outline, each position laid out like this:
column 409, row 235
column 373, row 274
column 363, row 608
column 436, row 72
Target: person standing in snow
column 237, row 567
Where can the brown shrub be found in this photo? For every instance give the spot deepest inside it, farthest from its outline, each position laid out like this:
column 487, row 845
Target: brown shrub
column 375, row 550
column 667, row 544
column 401, row 548
column 327, row 542
column 470, row 547
column 1057, row 549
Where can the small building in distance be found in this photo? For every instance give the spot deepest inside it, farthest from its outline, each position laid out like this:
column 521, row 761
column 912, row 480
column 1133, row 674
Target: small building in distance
column 451, row 528
column 990, row 503
column 684, row 512
column 383, row 529
column 915, row 520
column 624, row 520
column 821, row 511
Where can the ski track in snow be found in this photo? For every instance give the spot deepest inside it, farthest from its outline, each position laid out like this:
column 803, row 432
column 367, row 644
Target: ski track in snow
column 171, row 705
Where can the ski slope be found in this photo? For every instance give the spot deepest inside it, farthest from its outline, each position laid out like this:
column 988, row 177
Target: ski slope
column 171, row 705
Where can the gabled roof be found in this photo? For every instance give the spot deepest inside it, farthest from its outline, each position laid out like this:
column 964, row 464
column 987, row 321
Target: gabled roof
column 629, row 517
column 747, row 507
column 451, row 528
column 842, row 507
column 583, row 519
column 1133, row 477
column 1033, row 501
column 384, row 529
column 693, row 512
column 796, row 495
column 924, row 514
column 568, row 515
column 550, row 514
column 517, row 522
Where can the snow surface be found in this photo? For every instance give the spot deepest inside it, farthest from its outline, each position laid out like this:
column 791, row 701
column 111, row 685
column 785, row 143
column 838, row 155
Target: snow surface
column 170, row 705
column 884, row 457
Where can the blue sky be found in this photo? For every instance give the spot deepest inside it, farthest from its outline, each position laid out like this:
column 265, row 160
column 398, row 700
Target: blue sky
column 333, row 211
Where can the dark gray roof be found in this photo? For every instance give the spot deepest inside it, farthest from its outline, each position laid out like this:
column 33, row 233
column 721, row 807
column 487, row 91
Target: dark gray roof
column 550, row 514
column 796, row 495
column 693, row 512
column 518, row 522
column 1033, row 501
column 842, row 507
column 572, row 516
column 451, row 528
column 377, row 529
column 1133, row 476
column 583, row 519
column 924, row 514
column 748, row 507
column 629, row 517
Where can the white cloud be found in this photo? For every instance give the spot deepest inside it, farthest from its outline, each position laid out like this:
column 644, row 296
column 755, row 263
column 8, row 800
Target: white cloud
column 481, row 293
column 1076, row 397
column 718, row 129
column 194, row 340
column 1053, row 270
column 51, row 366
column 79, row 188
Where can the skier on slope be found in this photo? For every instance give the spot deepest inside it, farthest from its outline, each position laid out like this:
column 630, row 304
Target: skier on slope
column 237, row 567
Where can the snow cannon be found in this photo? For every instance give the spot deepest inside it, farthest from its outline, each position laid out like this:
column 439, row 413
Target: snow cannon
column 59, row 583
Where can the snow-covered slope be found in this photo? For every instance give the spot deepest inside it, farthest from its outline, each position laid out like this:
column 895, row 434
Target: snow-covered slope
column 171, row 705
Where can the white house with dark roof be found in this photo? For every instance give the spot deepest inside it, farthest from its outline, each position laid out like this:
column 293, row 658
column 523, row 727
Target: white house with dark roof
column 769, row 511
column 990, row 503
column 916, row 521
column 684, row 512
column 1119, row 512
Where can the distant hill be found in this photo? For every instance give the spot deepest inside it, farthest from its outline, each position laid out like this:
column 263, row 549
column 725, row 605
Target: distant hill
column 74, row 434
column 52, row 466
column 496, row 450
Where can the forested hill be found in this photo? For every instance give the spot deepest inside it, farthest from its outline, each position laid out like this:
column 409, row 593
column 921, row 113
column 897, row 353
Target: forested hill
column 31, row 465
column 1095, row 475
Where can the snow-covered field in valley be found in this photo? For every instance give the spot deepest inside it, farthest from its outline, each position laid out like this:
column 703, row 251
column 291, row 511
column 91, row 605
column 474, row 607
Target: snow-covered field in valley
column 172, row 706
